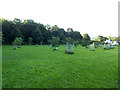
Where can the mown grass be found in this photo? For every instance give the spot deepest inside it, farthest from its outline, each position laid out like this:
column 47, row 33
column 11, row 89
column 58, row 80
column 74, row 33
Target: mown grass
column 41, row 67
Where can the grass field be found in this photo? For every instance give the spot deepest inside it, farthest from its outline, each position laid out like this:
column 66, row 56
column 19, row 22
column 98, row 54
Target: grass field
column 41, row 67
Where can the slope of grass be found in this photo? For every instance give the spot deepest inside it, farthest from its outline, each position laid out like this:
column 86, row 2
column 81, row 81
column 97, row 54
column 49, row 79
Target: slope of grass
column 41, row 67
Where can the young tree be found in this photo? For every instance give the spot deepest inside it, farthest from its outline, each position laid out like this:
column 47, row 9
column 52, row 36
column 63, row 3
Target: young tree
column 85, row 43
column 69, row 46
column 55, row 42
column 17, row 42
column 76, row 43
column 96, row 44
column 101, row 38
column 70, row 40
column 30, row 40
column 86, row 36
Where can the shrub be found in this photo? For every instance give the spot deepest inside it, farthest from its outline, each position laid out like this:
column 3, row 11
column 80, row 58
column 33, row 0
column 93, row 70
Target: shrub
column 69, row 40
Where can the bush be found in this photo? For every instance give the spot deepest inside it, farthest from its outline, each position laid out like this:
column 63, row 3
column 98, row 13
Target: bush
column 69, row 40
column 76, row 43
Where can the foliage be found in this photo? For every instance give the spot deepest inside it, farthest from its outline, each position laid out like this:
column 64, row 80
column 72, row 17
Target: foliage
column 18, row 41
column 101, row 38
column 40, row 33
column 110, row 37
column 30, row 40
column 55, row 42
column 114, row 38
column 76, row 43
column 96, row 44
column 10, row 31
column 85, row 42
column 37, row 36
column 74, row 34
column 86, row 37
column 69, row 40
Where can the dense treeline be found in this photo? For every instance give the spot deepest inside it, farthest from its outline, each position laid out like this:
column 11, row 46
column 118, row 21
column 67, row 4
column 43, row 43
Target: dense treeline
column 38, row 33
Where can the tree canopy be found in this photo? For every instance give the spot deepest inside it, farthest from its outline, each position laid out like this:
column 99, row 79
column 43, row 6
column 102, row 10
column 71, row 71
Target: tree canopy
column 39, row 33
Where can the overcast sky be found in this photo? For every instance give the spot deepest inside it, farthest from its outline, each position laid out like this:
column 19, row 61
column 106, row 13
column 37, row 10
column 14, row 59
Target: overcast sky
column 95, row 17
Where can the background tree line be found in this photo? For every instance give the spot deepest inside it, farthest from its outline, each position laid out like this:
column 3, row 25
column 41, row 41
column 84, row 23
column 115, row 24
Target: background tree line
column 35, row 33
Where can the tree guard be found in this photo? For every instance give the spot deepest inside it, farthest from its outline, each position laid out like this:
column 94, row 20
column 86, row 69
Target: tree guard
column 69, row 48
column 111, row 46
column 107, row 46
column 92, row 47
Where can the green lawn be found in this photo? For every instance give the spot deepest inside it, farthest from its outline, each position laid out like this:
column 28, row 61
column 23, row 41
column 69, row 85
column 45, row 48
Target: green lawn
column 41, row 67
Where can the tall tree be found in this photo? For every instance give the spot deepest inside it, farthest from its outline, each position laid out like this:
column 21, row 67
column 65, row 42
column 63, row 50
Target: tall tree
column 44, row 33
column 86, row 36
column 37, row 36
column 10, row 31
column 37, row 31
column 30, row 40
column 28, row 27
column 101, row 38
